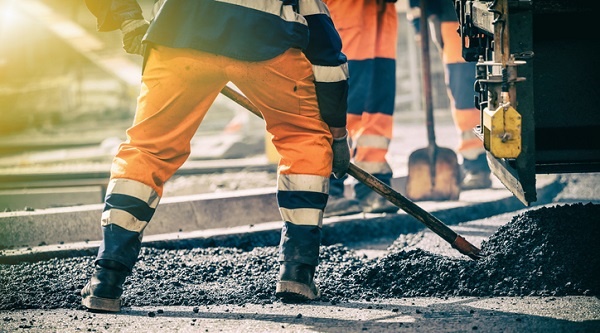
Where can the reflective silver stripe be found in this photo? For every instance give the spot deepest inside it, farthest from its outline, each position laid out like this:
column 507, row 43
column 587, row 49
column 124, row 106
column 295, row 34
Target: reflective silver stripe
column 374, row 167
column 472, row 153
column 134, row 189
column 302, row 216
column 312, row 7
column 310, row 183
column 331, row 73
column 373, row 141
column 469, row 134
column 274, row 7
column 123, row 219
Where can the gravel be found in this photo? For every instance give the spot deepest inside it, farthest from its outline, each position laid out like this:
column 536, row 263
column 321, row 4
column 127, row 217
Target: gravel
column 546, row 251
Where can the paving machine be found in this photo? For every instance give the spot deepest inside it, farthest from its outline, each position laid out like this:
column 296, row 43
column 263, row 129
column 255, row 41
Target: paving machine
column 537, row 86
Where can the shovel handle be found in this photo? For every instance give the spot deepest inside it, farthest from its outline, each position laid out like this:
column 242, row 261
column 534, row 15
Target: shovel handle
column 387, row 192
column 430, row 221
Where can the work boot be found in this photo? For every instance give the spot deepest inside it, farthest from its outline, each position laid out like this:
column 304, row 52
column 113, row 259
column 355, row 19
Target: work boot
column 103, row 291
column 296, row 283
column 298, row 258
column 376, row 204
column 340, row 206
column 476, row 174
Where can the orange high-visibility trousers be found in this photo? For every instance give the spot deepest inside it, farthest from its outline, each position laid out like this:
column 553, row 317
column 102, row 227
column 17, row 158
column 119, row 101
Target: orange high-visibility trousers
column 179, row 86
column 368, row 29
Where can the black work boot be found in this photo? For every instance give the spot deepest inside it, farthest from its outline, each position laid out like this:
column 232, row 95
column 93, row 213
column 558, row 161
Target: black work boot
column 298, row 257
column 296, row 283
column 103, row 291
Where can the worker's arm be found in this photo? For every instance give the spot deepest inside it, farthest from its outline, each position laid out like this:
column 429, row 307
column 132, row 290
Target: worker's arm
column 111, row 14
column 330, row 67
column 125, row 15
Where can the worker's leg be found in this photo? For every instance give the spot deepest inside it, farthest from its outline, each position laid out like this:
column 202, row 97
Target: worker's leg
column 178, row 86
column 369, row 34
column 376, row 91
column 460, row 79
column 349, row 18
column 283, row 89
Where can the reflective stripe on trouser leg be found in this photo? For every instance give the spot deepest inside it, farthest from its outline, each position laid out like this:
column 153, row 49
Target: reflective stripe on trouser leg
column 460, row 80
column 129, row 206
column 301, row 199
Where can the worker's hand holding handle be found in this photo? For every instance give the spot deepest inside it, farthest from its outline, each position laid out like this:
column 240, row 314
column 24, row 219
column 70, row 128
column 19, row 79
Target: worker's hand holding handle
column 133, row 32
column 341, row 155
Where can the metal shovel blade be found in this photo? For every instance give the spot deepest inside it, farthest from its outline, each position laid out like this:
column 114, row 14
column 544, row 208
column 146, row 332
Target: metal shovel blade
column 436, row 179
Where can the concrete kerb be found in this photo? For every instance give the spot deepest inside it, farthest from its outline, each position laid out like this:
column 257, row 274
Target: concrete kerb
column 473, row 205
column 176, row 214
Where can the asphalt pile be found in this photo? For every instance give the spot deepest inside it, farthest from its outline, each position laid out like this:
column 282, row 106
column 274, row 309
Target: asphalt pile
column 547, row 251
column 544, row 252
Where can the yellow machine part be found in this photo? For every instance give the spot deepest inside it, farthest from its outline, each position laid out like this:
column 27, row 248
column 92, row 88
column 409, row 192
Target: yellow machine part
column 502, row 132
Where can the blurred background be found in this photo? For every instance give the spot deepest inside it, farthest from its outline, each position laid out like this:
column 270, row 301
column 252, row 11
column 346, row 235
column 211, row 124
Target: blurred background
column 68, row 93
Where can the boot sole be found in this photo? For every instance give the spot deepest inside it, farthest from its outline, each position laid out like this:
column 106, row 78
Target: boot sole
column 291, row 291
column 102, row 304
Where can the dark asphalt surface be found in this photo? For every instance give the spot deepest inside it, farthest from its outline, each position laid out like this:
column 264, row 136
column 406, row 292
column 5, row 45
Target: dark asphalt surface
column 540, row 252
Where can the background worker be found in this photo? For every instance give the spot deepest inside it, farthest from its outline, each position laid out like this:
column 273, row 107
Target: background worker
column 459, row 79
column 192, row 50
column 369, row 31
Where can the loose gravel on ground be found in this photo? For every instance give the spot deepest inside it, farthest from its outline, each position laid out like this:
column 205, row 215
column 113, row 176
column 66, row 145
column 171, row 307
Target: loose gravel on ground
column 546, row 251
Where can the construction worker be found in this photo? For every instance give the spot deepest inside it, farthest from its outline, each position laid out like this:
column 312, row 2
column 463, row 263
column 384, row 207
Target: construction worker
column 369, row 31
column 192, row 49
column 460, row 79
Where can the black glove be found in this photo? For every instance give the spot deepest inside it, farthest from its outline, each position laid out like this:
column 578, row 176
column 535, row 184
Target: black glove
column 133, row 32
column 341, row 156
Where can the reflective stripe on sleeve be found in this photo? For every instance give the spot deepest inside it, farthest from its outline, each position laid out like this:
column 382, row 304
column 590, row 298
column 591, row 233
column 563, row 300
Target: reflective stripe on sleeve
column 274, row 7
column 331, row 73
column 312, row 7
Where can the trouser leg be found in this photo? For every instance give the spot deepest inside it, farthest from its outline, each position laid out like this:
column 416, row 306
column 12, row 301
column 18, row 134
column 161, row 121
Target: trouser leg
column 178, row 86
column 303, row 141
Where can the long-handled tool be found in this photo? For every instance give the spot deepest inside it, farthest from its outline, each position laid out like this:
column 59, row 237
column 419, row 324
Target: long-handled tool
column 433, row 172
column 433, row 223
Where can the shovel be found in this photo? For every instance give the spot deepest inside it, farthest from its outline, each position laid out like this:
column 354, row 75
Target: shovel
column 433, row 172
column 430, row 221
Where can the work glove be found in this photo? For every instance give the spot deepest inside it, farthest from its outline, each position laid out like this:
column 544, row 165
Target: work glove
column 133, row 32
column 341, row 156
